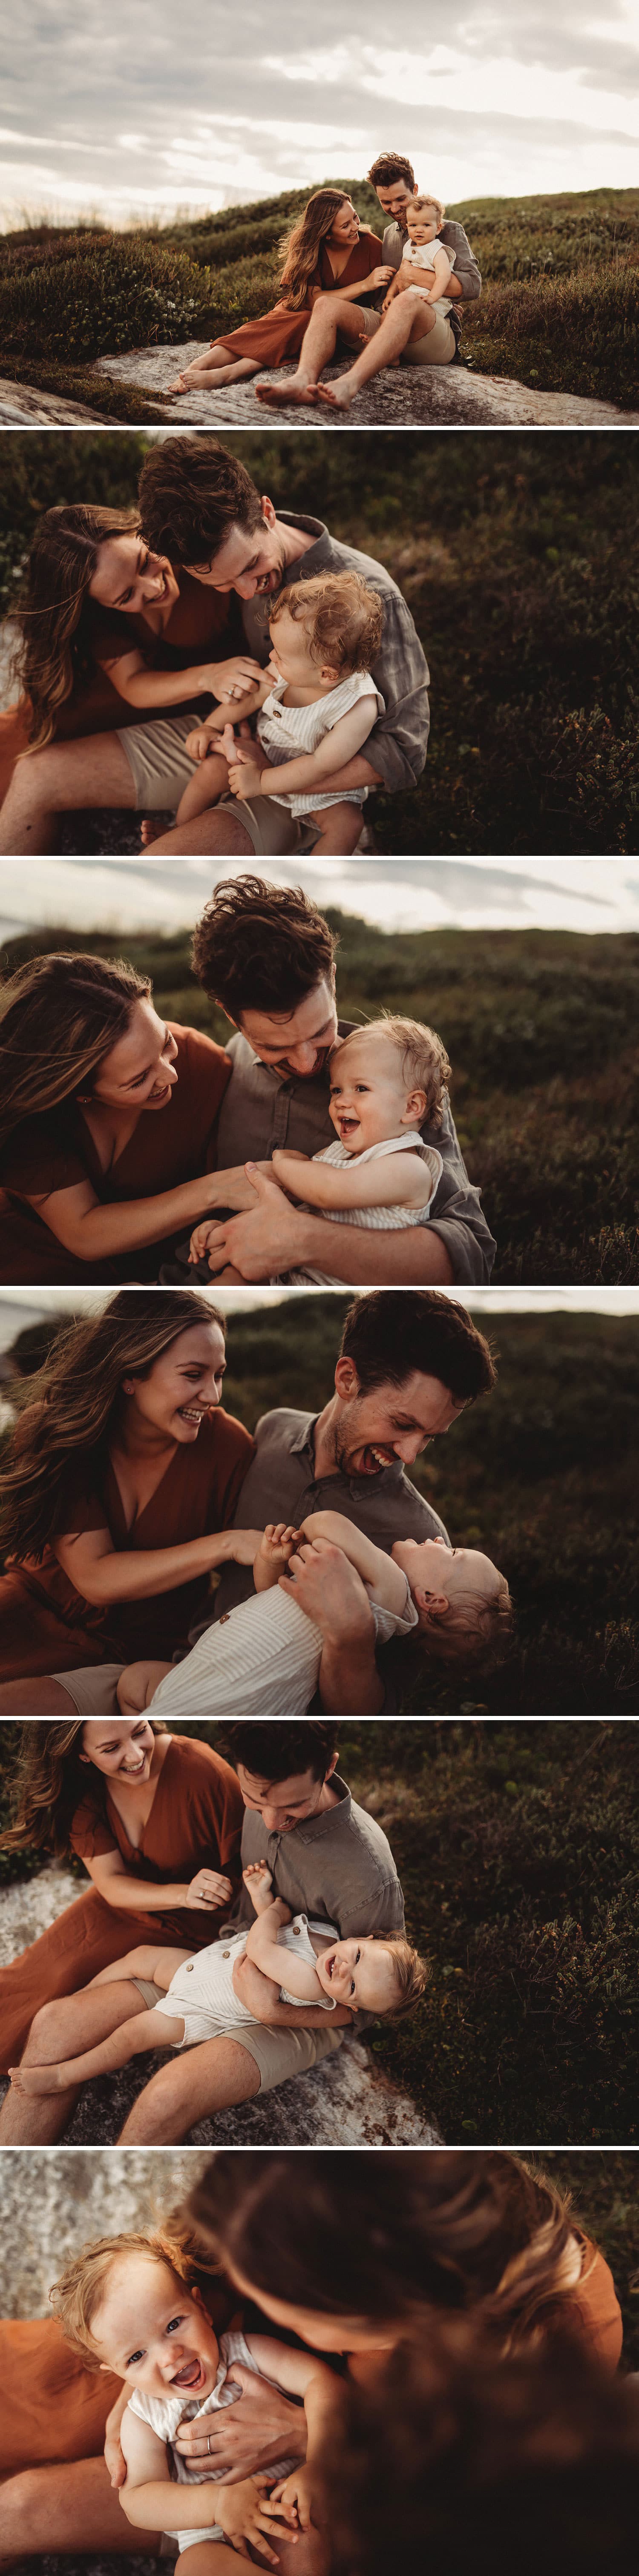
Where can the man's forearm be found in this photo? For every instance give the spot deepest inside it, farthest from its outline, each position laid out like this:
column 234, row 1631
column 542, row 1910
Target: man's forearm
column 349, row 1683
column 415, row 1256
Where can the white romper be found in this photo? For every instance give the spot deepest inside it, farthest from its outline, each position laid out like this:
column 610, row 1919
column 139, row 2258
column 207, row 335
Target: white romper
column 413, row 257
column 261, row 1659
column 203, row 1990
column 383, row 1219
column 165, row 2414
column 287, row 733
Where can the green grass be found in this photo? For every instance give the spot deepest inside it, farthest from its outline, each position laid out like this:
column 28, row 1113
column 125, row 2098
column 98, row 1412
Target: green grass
column 523, row 585
column 541, row 1030
column 559, row 307
column 542, row 1475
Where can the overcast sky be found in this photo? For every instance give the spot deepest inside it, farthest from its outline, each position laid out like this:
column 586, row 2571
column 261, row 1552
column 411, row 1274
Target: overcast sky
column 19, row 1307
column 137, row 110
column 398, row 894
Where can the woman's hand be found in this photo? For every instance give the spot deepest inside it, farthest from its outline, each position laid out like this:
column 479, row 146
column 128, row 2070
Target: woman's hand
column 379, row 277
column 243, row 2438
column 207, row 1892
column 232, row 679
column 242, row 1545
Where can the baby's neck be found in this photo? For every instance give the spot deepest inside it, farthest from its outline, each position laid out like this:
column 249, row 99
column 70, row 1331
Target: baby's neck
column 308, row 692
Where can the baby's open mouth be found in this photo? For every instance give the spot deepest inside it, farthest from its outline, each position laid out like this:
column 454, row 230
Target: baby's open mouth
column 348, row 1125
column 190, row 2376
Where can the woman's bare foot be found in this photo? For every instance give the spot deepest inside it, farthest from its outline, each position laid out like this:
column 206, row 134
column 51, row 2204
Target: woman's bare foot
column 293, row 390
column 35, row 2079
column 149, row 832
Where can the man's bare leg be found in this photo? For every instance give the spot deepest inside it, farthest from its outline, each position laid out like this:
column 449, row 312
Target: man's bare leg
column 40, row 1698
column 307, row 2555
column 409, row 318
column 193, row 2087
column 214, row 367
column 210, row 835
column 70, row 2510
column 330, row 315
column 60, row 2029
column 57, row 781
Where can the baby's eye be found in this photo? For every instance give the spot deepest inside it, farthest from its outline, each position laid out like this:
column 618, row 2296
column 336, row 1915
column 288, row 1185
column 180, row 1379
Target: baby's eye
column 133, row 2357
column 175, row 2321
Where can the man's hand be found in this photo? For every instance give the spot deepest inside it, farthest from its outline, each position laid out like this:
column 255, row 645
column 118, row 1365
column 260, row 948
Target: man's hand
column 261, row 1240
column 330, row 1592
column 262, row 2427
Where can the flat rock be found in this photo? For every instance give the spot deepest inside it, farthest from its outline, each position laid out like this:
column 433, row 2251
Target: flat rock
column 24, row 403
column 398, row 398
column 345, row 2102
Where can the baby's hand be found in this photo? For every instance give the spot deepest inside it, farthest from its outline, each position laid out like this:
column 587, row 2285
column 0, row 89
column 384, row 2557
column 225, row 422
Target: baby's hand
column 245, row 779
column 201, row 1237
column 257, row 1878
column 296, row 2491
column 199, row 744
column 279, row 1542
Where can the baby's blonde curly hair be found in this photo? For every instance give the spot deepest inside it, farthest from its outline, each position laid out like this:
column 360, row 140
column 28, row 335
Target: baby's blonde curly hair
column 424, row 1062
column 342, row 615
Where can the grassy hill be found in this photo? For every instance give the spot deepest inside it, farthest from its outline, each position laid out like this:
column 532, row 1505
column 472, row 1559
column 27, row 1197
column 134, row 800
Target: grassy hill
column 524, row 1014
column 516, row 1846
column 560, row 306
column 520, row 576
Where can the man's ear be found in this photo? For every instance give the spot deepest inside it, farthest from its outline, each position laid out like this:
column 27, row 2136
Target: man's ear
column 332, row 1767
column 414, row 1113
column 346, row 1380
column 269, row 513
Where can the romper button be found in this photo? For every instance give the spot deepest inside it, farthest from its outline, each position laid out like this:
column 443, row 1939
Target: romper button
column 226, row 1954
column 297, row 1929
column 189, row 1967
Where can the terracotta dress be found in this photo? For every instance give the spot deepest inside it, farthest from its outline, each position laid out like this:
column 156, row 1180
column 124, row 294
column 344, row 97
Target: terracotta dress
column 55, row 1150
column 195, row 1823
column 279, row 334
column 202, row 626
column 47, row 1627
column 54, row 2409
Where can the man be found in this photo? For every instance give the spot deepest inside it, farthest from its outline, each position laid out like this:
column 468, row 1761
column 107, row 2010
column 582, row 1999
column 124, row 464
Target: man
column 409, row 1363
column 393, row 179
column 266, row 956
column 328, row 1859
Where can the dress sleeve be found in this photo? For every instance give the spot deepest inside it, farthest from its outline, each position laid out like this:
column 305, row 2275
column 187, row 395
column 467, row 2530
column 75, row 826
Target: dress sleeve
column 90, row 1833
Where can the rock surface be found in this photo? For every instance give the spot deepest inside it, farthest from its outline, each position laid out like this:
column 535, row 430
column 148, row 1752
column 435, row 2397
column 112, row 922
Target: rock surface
column 345, row 2102
column 398, row 398
column 24, row 405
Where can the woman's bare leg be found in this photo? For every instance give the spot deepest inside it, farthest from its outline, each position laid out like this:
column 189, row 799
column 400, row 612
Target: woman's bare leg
column 408, row 318
column 68, row 2510
column 214, row 367
column 56, row 781
column 68, row 2024
column 40, row 1698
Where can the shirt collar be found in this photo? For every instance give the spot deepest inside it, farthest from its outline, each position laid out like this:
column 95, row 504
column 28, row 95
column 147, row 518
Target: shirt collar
column 310, row 1827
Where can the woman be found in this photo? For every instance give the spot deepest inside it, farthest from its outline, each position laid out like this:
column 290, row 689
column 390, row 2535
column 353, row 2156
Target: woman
column 109, row 633
column 119, row 1488
column 153, row 1817
column 364, row 2250
column 329, row 251
column 107, row 1119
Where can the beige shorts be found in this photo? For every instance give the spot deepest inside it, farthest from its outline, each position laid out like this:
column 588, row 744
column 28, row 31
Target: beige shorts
column 435, row 350
column 278, row 2053
column 93, row 1688
column 151, row 1995
column 158, row 760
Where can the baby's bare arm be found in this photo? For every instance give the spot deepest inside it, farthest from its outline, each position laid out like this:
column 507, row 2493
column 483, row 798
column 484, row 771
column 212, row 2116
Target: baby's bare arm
column 392, row 1182
column 262, row 1948
column 372, row 1563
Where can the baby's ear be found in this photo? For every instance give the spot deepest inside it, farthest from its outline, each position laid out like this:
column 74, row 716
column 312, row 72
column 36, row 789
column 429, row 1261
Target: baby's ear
column 329, row 674
column 414, row 1113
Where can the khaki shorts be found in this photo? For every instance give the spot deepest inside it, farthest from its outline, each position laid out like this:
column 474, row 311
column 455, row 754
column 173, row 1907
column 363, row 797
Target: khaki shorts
column 151, row 1995
column 157, row 758
column 278, row 2053
column 93, row 1688
column 435, row 350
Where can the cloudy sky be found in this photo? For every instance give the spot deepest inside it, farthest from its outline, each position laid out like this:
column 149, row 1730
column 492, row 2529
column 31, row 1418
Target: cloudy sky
column 397, row 894
column 138, row 110
column 22, row 1306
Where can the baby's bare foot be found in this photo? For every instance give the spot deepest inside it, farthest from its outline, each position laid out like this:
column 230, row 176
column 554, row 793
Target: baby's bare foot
column 34, row 2079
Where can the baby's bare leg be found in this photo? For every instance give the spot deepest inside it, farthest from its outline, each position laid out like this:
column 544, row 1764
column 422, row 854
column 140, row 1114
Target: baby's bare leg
column 157, row 1966
column 338, row 829
column 142, row 2031
column 209, row 782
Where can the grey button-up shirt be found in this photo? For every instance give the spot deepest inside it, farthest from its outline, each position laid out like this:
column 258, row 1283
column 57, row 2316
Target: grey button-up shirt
column 281, row 1485
column 337, row 1867
column 397, row 745
column 262, row 1109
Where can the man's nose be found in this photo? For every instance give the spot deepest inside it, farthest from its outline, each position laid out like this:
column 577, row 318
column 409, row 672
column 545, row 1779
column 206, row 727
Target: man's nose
column 246, row 588
column 409, row 1448
column 303, row 1058
column 272, row 1818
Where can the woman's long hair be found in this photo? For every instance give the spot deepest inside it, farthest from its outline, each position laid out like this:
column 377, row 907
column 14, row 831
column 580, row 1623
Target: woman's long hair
column 300, row 249
column 73, row 1404
column 59, row 1015
column 51, row 1783
column 386, row 2236
column 53, row 652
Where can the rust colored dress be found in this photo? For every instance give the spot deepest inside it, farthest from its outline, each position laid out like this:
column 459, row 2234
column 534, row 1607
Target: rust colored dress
column 202, row 626
column 56, row 1150
column 279, row 334
column 52, row 2405
column 47, row 1627
column 195, row 1823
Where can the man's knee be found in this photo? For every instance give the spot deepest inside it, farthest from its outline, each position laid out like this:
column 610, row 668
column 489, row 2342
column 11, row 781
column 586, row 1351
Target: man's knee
column 43, row 2029
column 21, row 2497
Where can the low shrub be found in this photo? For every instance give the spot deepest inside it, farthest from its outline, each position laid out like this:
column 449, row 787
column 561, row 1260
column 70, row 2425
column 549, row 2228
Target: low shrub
column 109, row 294
column 576, row 334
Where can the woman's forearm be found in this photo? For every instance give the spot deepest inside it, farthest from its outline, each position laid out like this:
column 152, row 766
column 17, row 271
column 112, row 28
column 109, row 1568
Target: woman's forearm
column 130, row 1895
column 127, row 1576
column 128, row 1227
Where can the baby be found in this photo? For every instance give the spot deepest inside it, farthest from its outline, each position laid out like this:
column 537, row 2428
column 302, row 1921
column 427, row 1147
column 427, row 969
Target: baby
column 315, row 706
column 199, row 1998
column 385, row 1081
column 130, row 2304
column 426, row 264
column 264, row 1658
